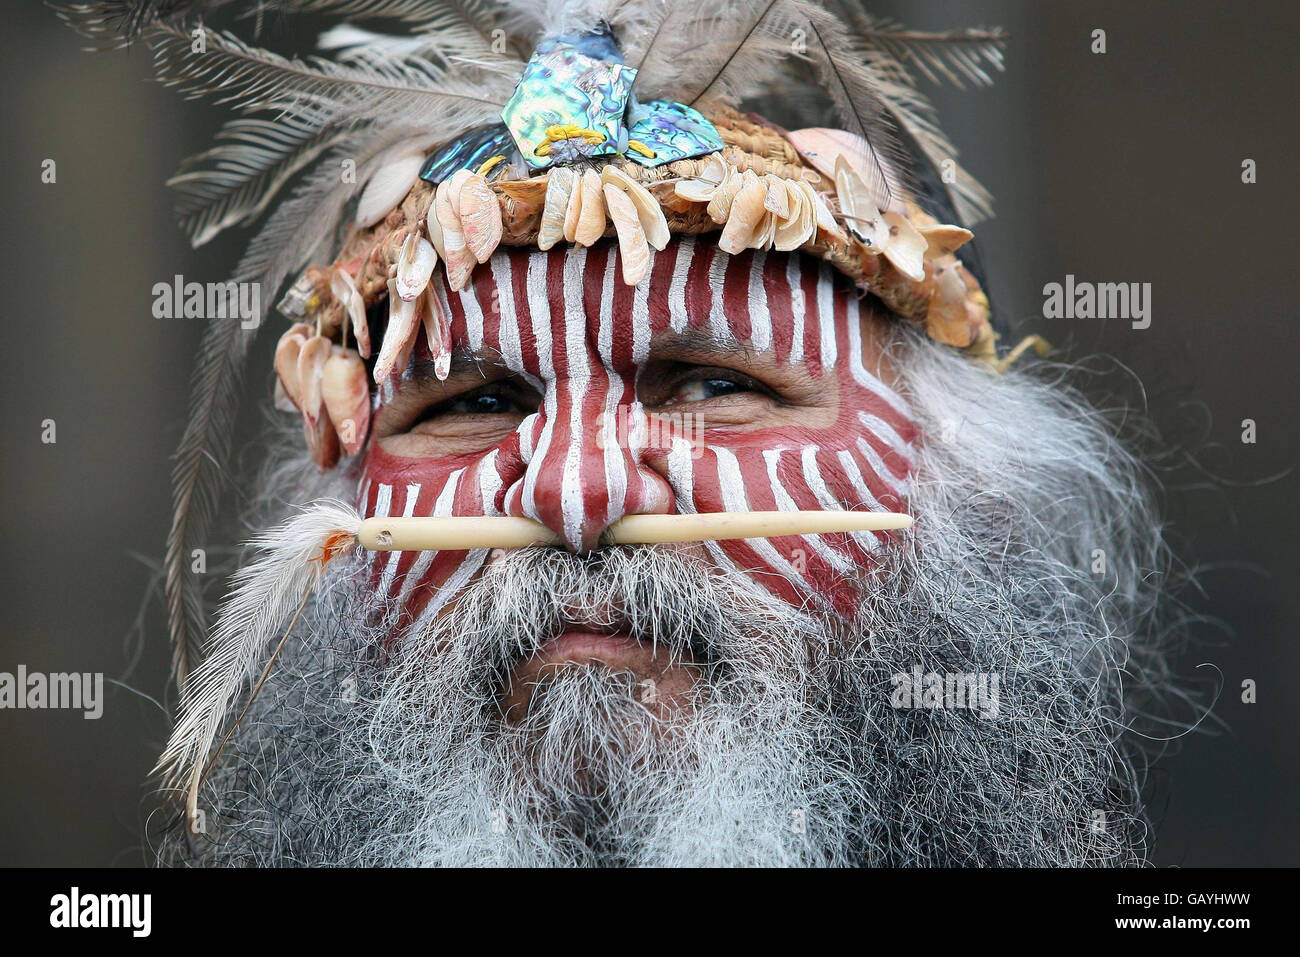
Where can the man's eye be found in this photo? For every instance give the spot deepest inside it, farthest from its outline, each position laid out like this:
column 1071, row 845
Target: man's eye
column 483, row 403
column 698, row 390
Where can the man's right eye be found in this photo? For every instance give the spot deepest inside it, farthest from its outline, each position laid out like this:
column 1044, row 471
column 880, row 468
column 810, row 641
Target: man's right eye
column 481, row 403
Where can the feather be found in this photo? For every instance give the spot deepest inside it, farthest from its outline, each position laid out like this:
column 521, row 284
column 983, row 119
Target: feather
column 262, row 598
column 851, row 85
column 253, row 161
column 952, row 55
column 718, row 50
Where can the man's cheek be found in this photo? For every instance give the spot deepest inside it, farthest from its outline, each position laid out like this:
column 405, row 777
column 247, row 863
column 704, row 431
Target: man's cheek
column 421, row 583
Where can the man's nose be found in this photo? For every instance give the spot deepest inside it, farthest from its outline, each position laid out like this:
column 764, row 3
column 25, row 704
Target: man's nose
column 586, row 469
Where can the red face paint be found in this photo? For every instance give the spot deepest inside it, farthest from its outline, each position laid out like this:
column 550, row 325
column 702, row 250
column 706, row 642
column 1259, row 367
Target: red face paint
column 564, row 320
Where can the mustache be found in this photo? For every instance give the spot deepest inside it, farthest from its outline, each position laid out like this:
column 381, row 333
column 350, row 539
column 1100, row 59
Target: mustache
column 675, row 601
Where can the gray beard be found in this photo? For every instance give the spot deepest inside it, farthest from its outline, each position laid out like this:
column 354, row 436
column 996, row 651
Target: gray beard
column 796, row 751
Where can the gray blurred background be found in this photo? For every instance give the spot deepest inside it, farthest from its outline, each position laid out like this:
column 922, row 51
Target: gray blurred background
column 1116, row 167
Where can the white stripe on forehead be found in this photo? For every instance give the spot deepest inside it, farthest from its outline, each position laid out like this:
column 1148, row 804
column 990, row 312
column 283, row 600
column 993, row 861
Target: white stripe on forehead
column 503, row 271
column 677, row 317
column 760, row 320
column 794, row 278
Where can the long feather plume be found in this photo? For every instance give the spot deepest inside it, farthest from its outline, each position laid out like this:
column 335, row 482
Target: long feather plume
column 264, row 594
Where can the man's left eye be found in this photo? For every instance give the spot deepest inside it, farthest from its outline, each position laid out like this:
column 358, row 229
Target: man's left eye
column 713, row 387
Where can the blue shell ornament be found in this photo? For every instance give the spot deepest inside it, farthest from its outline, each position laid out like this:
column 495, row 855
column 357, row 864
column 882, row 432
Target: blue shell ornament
column 469, row 151
column 574, row 101
column 672, row 131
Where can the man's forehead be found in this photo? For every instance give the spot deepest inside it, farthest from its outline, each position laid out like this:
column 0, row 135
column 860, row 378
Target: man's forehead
column 531, row 309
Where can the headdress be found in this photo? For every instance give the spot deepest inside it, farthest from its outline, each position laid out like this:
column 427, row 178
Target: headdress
column 413, row 157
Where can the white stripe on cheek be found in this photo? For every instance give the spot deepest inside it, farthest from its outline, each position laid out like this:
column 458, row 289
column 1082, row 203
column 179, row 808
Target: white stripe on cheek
column 785, row 503
column 877, row 464
column 472, row 563
column 681, row 479
column 442, row 506
column 885, row 432
column 812, row 474
column 732, row 485
column 392, row 558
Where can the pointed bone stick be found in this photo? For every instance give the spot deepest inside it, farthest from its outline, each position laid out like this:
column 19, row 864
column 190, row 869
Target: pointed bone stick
column 466, row 532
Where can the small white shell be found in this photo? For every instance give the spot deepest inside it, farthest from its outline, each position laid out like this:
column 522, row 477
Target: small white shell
column 403, row 321
column 745, row 218
column 905, row 246
column 287, row 351
column 387, row 187
column 437, row 331
column 346, row 395
column 632, row 246
column 942, row 239
column 460, row 262
column 801, row 224
column 560, row 184
column 591, row 217
column 345, row 291
column 861, row 215
column 414, row 266
column 720, row 203
column 777, row 200
column 711, row 176
column 654, row 225
column 480, row 216
column 311, row 363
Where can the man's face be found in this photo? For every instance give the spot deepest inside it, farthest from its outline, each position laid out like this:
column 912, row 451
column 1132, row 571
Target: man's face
column 732, row 702
column 723, row 384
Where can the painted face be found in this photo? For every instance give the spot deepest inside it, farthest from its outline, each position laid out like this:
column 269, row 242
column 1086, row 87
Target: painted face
column 724, row 383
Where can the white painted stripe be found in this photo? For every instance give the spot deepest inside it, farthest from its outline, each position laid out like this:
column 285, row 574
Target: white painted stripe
column 878, row 466
column 452, row 586
column 442, row 506
column 572, row 506
column 503, row 267
column 785, row 503
column 390, row 566
column 812, row 474
column 826, row 316
column 794, row 276
column 640, row 322
column 882, row 429
column 718, row 325
column 760, row 321
column 732, row 484
column 860, row 372
column 473, row 317
column 677, row 286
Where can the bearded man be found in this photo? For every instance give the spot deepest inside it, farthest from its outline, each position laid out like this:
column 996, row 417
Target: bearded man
column 509, row 617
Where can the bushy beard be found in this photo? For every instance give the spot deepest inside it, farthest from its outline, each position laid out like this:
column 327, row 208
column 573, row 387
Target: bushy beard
column 794, row 751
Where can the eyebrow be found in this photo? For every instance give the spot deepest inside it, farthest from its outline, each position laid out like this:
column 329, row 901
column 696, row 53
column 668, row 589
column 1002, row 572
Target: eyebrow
column 702, row 342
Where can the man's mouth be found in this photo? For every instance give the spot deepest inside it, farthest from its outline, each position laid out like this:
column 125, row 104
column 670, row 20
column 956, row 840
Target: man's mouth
column 663, row 677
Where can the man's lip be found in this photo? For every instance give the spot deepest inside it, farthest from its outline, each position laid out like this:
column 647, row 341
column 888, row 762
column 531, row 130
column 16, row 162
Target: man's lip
column 615, row 651
column 586, row 646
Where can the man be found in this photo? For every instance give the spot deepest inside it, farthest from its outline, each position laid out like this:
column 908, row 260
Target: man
column 587, row 305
